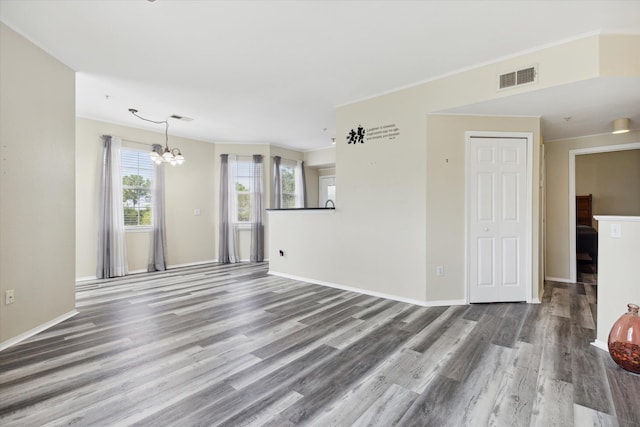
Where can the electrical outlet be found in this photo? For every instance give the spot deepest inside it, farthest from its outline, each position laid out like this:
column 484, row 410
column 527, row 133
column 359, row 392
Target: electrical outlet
column 616, row 231
column 9, row 297
column 440, row 271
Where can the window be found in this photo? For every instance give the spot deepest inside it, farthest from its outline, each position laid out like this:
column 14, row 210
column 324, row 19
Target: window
column 136, row 169
column 287, row 184
column 243, row 188
column 291, row 184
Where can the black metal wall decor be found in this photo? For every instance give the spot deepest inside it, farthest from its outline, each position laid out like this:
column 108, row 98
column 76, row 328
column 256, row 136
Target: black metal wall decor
column 354, row 137
column 385, row 133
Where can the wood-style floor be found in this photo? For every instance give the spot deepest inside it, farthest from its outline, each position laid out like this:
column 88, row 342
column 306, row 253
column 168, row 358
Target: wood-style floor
column 231, row 345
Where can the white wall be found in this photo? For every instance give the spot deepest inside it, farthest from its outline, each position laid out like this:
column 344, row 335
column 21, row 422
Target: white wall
column 37, row 200
column 617, row 275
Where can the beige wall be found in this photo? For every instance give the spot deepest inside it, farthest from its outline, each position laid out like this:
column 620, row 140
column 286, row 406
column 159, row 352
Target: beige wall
column 557, row 191
column 617, row 276
column 323, row 158
column 613, row 179
column 190, row 238
column 446, row 197
column 388, row 219
column 37, row 201
column 619, row 55
column 194, row 185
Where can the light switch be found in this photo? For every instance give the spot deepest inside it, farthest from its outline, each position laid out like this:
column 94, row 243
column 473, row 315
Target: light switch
column 196, row 212
column 616, row 230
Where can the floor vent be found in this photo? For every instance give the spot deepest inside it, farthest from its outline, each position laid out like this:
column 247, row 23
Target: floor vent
column 517, row 78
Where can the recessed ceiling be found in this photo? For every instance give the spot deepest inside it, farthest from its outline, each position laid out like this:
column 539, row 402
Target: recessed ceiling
column 274, row 71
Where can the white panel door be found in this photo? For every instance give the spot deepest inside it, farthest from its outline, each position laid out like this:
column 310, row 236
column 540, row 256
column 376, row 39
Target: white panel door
column 497, row 219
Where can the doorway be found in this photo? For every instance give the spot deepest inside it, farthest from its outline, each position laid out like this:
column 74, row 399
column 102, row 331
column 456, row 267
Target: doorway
column 498, row 216
column 573, row 261
column 326, row 190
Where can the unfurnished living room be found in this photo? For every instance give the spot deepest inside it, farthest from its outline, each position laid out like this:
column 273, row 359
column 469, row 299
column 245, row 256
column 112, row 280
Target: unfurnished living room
column 319, row 213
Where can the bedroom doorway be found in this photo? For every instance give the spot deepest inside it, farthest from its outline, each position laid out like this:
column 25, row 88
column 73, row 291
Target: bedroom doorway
column 573, row 245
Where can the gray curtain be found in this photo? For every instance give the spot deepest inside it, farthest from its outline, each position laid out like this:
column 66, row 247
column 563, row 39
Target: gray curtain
column 304, row 185
column 112, row 257
column 223, row 245
column 257, row 226
column 157, row 251
column 277, row 191
column 301, row 185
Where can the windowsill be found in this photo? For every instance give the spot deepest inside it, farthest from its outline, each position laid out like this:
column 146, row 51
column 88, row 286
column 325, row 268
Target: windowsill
column 243, row 225
column 301, row 209
column 138, row 229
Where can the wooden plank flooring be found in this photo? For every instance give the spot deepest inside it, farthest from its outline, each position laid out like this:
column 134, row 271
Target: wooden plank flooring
column 230, row 345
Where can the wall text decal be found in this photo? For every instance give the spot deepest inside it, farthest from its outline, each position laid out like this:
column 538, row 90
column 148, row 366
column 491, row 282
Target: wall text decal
column 377, row 133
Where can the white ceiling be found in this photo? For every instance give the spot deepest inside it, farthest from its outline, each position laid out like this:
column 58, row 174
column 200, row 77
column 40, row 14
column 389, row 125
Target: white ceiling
column 274, row 71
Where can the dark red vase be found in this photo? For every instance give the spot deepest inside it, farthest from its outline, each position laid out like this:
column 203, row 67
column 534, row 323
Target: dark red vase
column 624, row 340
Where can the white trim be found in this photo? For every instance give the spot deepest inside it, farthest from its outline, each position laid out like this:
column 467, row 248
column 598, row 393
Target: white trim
column 311, row 150
column 138, row 229
column 528, row 136
column 301, row 210
column 573, row 274
column 558, row 279
column 187, row 264
column 535, row 301
column 617, row 218
column 15, row 340
column 190, row 264
column 370, row 293
column 601, row 345
column 453, row 113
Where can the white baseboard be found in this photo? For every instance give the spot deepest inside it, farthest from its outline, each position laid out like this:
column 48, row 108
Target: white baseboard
column 371, row 293
column 191, row 264
column 535, row 301
column 558, row 279
column 15, row 340
column 601, row 345
column 85, row 278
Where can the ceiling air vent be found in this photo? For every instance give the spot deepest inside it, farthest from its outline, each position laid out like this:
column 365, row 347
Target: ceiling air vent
column 517, row 78
column 183, row 118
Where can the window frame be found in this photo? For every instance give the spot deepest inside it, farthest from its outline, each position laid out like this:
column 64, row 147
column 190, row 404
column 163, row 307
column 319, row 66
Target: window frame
column 288, row 164
column 141, row 154
column 248, row 160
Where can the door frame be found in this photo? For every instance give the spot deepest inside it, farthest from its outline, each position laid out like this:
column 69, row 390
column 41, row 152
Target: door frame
column 573, row 269
column 528, row 137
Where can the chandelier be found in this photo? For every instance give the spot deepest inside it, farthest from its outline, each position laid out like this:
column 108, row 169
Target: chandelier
column 173, row 156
